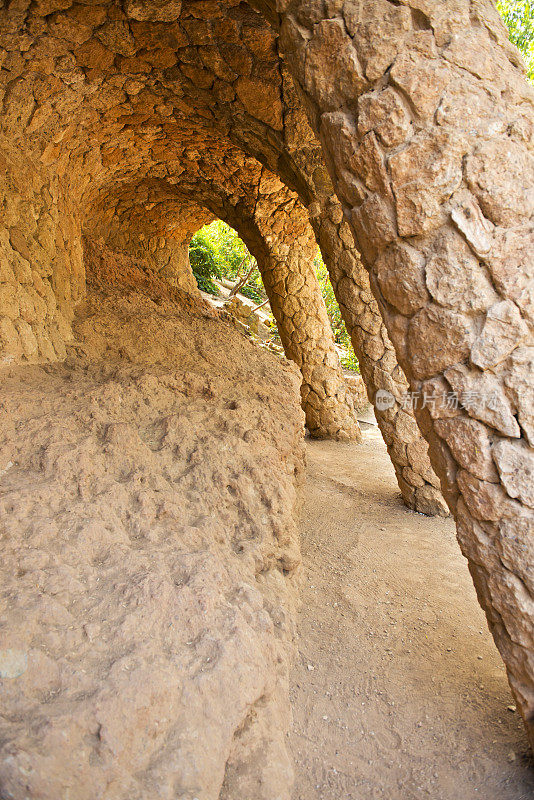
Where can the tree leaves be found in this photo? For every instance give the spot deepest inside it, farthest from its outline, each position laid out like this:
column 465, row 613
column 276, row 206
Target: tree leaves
column 518, row 16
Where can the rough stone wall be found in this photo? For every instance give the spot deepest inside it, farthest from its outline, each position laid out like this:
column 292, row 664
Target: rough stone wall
column 441, row 206
column 171, row 260
column 148, row 544
column 41, row 265
column 153, row 232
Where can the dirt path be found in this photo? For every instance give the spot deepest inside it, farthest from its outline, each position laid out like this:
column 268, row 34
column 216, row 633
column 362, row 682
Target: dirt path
column 398, row 691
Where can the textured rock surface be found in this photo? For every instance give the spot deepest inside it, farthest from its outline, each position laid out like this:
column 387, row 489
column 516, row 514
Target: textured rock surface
column 288, row 273
column 147, row 546
column 124, row 155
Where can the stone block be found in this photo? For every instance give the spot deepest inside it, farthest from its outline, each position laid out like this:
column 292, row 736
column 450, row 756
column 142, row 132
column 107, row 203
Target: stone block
column 503, row 331
column 437, row 339
column 515, row 462
column 470, row 445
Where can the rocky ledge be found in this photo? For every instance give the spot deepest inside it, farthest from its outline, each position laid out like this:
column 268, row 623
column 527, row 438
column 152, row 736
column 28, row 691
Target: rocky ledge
column 147, row 498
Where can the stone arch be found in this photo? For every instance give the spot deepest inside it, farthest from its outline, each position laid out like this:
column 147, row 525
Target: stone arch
column 155, row 222
column 183, row 126
column 159, row 236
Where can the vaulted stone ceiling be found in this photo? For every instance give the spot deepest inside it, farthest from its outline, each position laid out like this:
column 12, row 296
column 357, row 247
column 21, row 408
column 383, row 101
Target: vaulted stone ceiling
column 115, row 93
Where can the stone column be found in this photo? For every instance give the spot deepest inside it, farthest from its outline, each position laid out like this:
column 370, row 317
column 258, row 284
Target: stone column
column 380, row 370
column 441, row 207
column 283, row 244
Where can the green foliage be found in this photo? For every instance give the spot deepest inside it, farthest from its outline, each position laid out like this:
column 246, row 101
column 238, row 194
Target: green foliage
column 518, row 16
column 216, row 251
column 252, row 290
column 205, row 262
column 349, row 361
column 341, row 336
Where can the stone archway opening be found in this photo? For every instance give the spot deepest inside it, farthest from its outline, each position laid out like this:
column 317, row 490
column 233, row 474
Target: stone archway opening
column 284, row 249
column 216, row 251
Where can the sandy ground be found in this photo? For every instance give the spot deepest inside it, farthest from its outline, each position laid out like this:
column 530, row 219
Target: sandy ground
column 398, row 691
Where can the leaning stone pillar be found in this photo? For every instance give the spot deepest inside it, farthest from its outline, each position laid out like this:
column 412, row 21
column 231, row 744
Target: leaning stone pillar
column 386, row 384
column 441, row 206
column 304, row 328
column 285, row 257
